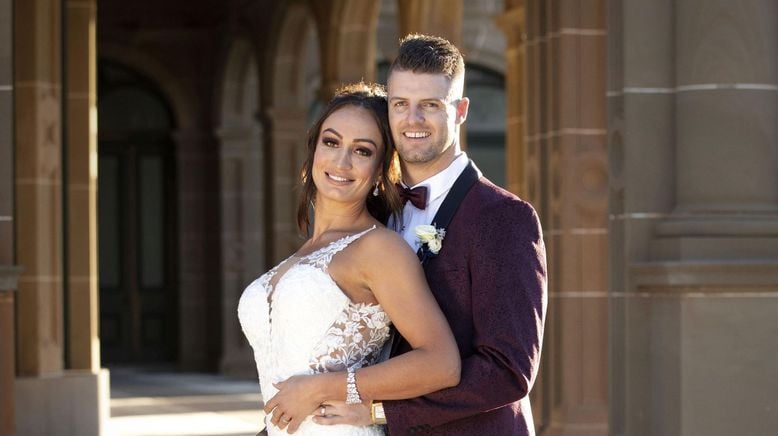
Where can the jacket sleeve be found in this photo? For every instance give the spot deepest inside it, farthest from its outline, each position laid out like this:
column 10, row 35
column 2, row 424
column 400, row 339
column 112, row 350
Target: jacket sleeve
column 507, row 271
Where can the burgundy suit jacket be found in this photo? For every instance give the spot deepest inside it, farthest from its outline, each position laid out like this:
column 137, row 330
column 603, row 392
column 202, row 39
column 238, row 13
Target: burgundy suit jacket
column 489, row 278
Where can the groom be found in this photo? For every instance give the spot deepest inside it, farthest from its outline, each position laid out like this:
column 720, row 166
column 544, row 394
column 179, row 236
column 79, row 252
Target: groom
column 489, row 276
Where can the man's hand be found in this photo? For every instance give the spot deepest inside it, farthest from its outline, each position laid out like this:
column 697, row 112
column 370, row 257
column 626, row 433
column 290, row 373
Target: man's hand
column 338, row 412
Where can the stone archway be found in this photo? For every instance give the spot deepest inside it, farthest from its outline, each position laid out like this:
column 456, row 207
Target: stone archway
column 136, row 219
column 195, row 169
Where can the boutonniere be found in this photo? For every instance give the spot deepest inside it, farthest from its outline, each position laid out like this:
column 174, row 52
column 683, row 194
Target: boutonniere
column 430, row 240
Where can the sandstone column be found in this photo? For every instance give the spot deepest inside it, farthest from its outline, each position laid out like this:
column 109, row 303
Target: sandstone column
column 82, row 180
column 347, row 35
column 38, row 93
column 693, row 131
column 434, row 17
column 512, row 23
column 243, row 235
column 198, row 233
column 66, row 402
column 8, row 273
column 287, row 152
column 565, row 175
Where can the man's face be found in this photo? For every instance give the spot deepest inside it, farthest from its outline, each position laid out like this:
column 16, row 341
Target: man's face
column 424, row 117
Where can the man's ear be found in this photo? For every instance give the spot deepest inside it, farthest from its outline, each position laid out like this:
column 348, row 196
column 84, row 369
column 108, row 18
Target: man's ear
column 462, row 107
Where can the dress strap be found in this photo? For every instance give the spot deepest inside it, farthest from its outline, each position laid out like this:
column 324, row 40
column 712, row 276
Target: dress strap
column 323, row 257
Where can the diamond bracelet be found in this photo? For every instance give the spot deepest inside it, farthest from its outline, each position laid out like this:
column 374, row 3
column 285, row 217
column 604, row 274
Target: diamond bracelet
column 352, row 394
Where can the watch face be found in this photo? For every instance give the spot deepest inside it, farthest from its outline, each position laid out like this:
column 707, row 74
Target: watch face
column 379, row 412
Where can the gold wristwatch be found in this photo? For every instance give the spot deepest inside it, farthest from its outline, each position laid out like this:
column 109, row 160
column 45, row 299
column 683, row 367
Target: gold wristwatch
column 377, row 413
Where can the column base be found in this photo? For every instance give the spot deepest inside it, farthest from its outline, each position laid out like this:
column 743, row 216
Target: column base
column 697, row 354
column 241, row 365
column 73, row 403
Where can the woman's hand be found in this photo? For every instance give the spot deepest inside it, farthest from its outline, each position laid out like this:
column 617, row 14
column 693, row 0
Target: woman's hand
column 297, row 397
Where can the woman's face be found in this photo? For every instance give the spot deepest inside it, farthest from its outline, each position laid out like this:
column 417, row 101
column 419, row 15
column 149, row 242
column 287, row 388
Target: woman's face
column 348, row 155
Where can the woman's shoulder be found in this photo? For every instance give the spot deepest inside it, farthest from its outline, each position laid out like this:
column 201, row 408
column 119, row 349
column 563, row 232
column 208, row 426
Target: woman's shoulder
column 383, row 236
column 382, row 242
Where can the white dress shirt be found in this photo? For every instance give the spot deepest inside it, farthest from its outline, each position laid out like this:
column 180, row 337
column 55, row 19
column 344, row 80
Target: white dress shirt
column 437, row 187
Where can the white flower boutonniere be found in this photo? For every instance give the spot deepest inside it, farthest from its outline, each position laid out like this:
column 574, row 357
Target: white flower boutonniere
column 430, row 238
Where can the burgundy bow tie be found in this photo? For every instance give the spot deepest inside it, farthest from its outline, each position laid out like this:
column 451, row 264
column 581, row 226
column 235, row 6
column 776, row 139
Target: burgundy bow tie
column 417, row 196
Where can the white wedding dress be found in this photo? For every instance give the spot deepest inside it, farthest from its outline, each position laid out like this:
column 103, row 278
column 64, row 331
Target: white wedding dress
column 298, row 321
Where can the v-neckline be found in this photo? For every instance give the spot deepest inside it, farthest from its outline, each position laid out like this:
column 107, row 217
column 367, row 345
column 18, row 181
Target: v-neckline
column 272, row 284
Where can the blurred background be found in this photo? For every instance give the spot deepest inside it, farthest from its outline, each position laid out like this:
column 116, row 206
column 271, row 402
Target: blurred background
column 149, row 152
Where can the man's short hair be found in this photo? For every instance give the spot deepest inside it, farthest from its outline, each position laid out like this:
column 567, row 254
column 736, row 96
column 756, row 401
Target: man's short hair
column 429, row 54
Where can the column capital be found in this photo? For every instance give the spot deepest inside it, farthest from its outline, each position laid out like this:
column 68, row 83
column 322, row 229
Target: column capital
column 512, row 23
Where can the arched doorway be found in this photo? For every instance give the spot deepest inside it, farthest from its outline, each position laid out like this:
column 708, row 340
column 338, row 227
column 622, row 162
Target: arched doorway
column 135, row 219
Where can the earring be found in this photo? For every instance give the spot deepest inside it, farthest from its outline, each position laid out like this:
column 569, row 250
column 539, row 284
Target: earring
column 375, row 190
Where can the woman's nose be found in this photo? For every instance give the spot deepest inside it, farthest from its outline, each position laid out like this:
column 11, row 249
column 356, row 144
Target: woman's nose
column 343, row 158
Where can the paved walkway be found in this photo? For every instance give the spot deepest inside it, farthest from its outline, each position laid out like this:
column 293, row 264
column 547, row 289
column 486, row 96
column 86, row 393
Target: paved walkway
column 153, row 403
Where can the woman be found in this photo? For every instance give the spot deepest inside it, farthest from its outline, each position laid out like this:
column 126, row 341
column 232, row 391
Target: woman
column 318, row 320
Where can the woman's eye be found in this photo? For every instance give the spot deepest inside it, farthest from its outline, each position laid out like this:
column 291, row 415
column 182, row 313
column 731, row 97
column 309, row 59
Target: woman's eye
column 364, row 151
column 329, row 142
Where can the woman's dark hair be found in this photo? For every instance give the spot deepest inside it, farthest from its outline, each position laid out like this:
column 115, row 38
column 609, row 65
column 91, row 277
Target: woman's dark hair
column 372, row 97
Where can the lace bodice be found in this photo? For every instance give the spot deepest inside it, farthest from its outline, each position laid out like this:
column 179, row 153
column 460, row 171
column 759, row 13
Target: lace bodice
column 298, row 321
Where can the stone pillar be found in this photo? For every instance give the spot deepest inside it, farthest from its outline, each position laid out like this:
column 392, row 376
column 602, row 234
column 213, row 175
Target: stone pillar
column 198, row 250
column 287, row 153
column 566, row 178
column 50, row 399
column 38, row 94
column 8, row 274
column 8, row 283
column 243, row 235
column 83, row 341
column 512, row 23
column 693, row 93
column 439, row 18
column 348, row 40
column 434, row 17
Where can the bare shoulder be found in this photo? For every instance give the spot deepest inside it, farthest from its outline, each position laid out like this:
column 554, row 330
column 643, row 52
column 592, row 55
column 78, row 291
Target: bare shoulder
column 380, row 251
column 382, row 242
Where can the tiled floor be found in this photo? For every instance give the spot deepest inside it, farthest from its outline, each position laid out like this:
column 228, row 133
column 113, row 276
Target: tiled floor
column 146, row 403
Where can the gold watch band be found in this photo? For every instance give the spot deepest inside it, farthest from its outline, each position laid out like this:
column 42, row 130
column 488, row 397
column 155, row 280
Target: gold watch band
column 377, row 413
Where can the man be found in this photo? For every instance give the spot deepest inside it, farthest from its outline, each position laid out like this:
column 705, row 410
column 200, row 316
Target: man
column 489, row 273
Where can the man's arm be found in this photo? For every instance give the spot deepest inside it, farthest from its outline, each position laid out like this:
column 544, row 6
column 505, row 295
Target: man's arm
column 508, row 278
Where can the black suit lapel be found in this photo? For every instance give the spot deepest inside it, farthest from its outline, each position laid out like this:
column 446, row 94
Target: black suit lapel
column 442, row 219
column 454, row 198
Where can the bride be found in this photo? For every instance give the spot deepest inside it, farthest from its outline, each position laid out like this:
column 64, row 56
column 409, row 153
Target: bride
column 318, row 320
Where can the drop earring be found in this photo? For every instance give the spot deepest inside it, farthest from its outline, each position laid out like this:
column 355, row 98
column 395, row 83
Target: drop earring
column 375, row 190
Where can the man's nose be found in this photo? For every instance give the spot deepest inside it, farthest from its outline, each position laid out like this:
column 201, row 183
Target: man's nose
column 415, row 115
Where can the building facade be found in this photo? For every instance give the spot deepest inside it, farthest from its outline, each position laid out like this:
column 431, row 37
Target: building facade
column 149, row 153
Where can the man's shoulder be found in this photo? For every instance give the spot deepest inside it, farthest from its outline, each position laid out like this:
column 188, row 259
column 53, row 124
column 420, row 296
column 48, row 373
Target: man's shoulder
column 487, row 197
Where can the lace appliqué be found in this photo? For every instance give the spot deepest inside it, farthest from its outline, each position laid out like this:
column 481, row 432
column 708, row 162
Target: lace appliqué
column 354, row 340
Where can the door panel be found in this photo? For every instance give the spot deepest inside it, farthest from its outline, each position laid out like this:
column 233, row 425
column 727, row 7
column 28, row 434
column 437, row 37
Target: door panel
column 137, row 307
